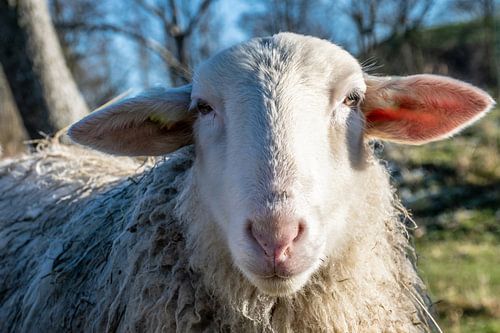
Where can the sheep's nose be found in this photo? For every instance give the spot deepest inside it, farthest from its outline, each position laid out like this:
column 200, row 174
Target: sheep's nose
column 276, row 239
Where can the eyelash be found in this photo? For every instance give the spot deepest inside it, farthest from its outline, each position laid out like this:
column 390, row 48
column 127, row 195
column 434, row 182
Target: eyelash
column 352, row 99
column 202, row 107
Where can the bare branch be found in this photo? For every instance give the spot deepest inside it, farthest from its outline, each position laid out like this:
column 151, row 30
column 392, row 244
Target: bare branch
column 152, row 9
column 195, row 18
column 173, row 8
column 173, row 29
column 149, row 43
column 423, row 13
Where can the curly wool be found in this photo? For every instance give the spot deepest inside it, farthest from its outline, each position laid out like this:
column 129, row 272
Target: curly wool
column 90, row 242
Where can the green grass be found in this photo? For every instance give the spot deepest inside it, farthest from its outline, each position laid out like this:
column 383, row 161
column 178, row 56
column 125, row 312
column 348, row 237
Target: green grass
column 464, row 281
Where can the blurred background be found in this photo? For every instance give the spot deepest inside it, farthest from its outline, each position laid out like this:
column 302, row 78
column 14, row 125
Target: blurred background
column 60, row 59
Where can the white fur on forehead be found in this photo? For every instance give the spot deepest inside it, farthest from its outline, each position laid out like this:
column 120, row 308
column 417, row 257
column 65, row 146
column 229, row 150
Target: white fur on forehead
column 310, row 60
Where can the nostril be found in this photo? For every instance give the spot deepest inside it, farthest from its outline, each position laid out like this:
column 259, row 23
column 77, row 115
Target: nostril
column 300, row 231
column 255, row 236
column 249, row 229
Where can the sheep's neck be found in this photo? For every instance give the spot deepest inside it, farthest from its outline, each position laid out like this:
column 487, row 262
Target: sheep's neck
column 370, row 282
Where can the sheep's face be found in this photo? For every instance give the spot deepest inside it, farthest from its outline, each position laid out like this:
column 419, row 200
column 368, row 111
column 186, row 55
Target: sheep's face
column 278, row 129
column 278, row 146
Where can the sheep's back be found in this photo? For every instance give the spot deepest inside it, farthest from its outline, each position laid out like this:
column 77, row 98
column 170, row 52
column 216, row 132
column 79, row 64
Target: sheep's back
column 75, row 230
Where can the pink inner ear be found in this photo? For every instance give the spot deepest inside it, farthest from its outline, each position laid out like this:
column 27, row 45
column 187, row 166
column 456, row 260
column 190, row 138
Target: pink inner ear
column 419, row 120
column 422, row 108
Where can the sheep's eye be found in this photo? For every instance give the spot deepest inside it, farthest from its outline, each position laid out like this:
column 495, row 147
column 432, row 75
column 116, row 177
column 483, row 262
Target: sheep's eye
column 352, row 99
column 203, row 107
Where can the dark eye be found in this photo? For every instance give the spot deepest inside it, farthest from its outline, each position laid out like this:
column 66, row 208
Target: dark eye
column 203, row 107
column 352, row 99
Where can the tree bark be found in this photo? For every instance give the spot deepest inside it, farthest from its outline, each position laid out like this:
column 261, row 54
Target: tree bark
column 12, row 131
column 43, row 88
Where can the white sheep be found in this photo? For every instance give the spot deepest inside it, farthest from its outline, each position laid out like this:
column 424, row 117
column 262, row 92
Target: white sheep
column 279, row 219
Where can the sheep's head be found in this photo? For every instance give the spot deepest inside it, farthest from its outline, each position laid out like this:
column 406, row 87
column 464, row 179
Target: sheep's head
column 280, row 125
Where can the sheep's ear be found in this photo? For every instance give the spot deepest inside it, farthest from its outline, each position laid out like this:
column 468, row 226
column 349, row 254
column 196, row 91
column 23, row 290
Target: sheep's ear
column 154, row 123
column 420, row 108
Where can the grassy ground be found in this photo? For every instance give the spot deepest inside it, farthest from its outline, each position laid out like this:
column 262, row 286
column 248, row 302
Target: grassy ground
column 452, row 188
column 464, row 280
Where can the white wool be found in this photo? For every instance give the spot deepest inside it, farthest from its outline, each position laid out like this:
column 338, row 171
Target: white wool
column 101, row 247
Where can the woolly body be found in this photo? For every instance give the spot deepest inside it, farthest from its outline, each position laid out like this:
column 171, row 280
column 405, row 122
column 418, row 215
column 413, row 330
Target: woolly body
column 116, row 257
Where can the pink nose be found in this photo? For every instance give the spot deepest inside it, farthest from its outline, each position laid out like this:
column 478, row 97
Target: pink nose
column 276, row 239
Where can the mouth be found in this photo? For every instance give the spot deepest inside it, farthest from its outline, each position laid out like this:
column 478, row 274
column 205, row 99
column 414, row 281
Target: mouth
column 279, row 285
column 278, row 279
column 274, row 276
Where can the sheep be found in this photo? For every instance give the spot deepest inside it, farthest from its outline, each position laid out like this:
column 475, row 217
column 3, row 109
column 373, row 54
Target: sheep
column 268, row 211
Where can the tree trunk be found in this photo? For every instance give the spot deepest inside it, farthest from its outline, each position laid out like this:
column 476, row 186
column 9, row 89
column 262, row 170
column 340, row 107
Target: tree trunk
column 43, row 88
column 12, row 131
